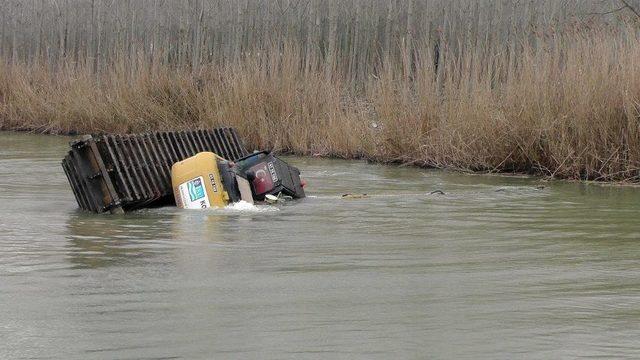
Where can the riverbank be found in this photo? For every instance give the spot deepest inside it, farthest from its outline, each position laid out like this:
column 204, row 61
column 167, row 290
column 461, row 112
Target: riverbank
column 566, row 109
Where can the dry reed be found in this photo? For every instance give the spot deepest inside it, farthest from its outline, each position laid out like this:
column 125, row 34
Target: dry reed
column 563, row 101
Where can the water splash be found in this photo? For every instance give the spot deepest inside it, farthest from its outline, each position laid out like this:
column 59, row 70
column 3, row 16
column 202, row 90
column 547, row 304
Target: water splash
column 243, row 206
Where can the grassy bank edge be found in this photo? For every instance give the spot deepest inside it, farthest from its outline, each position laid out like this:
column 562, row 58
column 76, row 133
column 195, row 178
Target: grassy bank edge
column 528, row 175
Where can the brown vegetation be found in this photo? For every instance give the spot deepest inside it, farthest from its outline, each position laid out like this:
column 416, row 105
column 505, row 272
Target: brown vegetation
column 559, row 99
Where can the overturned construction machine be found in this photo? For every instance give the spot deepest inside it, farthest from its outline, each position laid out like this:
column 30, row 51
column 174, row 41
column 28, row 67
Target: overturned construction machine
column 195, row 169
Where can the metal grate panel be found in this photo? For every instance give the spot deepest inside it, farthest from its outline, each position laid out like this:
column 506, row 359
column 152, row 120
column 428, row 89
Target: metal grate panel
column 115, row 173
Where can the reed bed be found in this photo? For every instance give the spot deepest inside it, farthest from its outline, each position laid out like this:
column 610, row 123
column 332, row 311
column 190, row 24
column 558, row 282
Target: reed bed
column 559, row 100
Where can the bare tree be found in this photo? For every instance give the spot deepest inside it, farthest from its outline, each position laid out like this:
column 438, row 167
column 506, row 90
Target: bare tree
column 353, row 37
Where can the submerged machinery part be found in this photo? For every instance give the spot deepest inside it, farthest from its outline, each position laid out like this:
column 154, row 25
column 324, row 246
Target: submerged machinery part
column 207, row 180
column 198, row 182
column 118, row 173
column 269, row 175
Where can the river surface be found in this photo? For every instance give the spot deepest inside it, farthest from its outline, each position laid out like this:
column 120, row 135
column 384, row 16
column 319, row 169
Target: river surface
column 497, row 267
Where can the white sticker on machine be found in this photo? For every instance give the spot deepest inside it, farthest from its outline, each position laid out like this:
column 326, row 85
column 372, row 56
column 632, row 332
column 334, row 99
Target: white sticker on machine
column 194, row 195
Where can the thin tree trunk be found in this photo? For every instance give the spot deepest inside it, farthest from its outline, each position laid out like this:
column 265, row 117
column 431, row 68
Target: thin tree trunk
column 333, row 29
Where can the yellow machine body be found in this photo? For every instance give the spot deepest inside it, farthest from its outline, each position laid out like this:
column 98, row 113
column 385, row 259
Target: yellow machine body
column 197, row 183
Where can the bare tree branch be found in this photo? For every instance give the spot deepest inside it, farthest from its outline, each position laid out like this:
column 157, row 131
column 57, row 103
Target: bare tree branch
column 628, row 6
column 607, row 12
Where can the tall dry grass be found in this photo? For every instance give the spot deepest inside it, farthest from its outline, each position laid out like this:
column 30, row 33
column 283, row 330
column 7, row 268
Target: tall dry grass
column 566, row 105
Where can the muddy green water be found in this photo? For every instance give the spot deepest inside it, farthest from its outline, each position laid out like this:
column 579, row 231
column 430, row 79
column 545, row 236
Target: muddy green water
column 496, row 268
